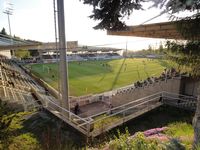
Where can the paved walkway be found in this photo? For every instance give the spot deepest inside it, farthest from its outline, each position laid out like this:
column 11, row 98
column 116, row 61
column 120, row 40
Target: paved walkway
column 92, row 109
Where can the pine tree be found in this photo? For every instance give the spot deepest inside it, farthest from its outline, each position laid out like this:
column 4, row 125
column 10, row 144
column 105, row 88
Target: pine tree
column 3, row 31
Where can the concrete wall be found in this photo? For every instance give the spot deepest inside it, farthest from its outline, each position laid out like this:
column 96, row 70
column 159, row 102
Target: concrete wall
column 190, row 86
column 6, row 53
column 185, row 86
column 122, row 97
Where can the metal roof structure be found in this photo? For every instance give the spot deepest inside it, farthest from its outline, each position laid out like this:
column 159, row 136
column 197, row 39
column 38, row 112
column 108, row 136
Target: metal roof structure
column 166, row 30
column 95, row 49
column 7, row 42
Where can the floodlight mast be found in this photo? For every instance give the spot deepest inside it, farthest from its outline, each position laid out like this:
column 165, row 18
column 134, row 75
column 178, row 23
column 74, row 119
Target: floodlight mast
column 9, row 11
column 63, row 64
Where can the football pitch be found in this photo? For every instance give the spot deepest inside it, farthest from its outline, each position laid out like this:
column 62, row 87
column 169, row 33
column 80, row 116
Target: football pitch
column 91, row 77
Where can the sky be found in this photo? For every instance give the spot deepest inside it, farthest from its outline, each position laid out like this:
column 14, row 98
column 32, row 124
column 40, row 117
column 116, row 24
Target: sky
column 34, row 19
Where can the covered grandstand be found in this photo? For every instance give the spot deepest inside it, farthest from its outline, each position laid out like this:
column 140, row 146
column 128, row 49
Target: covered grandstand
column 48, row 52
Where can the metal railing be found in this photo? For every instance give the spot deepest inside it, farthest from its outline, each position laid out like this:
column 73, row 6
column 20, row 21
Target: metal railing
column 179, row 100
column 81, row 124
column 116, row 116
column 106, row 120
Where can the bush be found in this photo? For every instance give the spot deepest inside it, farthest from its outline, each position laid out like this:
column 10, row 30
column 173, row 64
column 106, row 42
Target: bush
column 174, row 144
column 24, row 142
column 138, row 142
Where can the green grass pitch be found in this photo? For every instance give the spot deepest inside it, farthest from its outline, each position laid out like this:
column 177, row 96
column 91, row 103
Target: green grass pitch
column 91, row 77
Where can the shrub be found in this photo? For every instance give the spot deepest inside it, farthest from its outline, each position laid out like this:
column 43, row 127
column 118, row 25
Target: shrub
column 24, row 142
column 174, row 144
column 138, row 142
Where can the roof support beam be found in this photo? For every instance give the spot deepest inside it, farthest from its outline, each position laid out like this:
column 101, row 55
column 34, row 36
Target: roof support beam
column 166, row 30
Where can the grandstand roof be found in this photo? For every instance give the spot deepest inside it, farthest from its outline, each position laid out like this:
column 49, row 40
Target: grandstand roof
column 7, row 42
column 167, row 30
column 79, row 48
column 15, row 43
column 95, row 49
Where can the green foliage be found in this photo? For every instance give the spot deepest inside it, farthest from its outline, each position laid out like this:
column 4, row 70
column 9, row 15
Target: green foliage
column 10, row 125
column 5, row 119
column 120, row 142
column 143, row 53
column 30, row 131
column 187, row 54
column 175, row 6
column 174, row 144
column 138, row 142
column 111, row 12
column 182, row 131
column 179, row 129
column 105, row 122
column 161, row 48
column 197, row 147
column 3, row 31
column 21, row 53
column 24, row 142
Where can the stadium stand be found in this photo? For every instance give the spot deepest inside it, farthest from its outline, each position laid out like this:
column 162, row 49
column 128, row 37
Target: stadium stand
column 47, row 58
column 15, row 86
column 22, row 90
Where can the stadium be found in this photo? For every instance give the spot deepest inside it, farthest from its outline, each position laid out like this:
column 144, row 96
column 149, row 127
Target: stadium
column 93, row 89
column 98, row 78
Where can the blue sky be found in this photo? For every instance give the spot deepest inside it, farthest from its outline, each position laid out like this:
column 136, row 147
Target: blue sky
column 33, row 19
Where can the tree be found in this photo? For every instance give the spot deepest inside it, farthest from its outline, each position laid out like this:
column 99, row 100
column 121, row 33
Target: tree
column 150, row 49
column 22, row 53
column 161, row 49
column 3, row 31
column 110, row 13
column 188, row 54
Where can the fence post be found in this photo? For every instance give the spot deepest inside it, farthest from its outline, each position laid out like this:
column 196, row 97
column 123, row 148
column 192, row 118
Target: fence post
column 123, row 114
column 88, row 129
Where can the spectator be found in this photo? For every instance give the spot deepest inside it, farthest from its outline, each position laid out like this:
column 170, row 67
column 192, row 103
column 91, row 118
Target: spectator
column 46, row 91
column 110, row 107
column 76, row 109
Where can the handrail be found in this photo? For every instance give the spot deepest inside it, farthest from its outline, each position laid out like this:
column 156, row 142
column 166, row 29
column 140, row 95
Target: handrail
column 165, row 92
column 124, row 110
column 126, row 104
column 63, row 109
column 177, row 98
